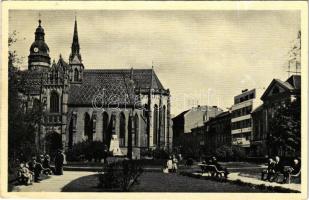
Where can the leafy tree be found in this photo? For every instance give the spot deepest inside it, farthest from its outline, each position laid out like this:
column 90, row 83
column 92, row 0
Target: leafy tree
column 21, row 124
column 285, row 136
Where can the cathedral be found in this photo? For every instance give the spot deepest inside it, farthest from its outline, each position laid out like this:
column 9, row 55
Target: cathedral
column 81, row 104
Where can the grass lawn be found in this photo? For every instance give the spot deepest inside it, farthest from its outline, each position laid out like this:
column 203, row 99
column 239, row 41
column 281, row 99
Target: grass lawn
column 159, row 182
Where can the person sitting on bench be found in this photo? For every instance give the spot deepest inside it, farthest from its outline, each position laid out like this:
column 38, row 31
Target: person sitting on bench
column 24, row 175
column 292, row 170
column 278, row 168
column 269, row 171
column 218, row 166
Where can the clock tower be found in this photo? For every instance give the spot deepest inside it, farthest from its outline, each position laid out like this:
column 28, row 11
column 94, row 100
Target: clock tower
column 38, row 58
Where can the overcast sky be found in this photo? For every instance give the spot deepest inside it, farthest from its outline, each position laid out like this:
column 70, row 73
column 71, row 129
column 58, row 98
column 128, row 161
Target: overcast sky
column 195, row 53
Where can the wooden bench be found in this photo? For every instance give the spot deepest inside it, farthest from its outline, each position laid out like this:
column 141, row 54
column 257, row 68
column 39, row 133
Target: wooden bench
column 280, row 174
column 212, row 170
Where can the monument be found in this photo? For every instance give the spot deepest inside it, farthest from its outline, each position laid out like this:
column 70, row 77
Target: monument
column 114, row 146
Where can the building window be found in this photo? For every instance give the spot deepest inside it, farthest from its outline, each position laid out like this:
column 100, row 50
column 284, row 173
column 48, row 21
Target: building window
column 136, row 130
column 122, row 129
column 88, row 127
column 54, row 102
column 76, row 75
column 106, row 139
column 163, row 121
column 155, row 125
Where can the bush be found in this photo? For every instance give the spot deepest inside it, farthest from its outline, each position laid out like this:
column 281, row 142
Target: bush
column 87, row 150
column 120, row 175
column 230, row 153
column 239, row 153
column 224, row 153
column 157, row 153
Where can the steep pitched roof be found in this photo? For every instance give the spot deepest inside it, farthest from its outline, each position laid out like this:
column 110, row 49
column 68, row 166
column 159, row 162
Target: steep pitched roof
column 180, row 115
column 294, row 81
column 31, row 81
column 111, row 86
column 292, row 84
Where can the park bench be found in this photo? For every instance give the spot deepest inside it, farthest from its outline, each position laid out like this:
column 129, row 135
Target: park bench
column 279, row 174
column 212, row 170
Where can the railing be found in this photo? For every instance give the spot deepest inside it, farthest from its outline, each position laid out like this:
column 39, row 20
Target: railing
column 53, row 119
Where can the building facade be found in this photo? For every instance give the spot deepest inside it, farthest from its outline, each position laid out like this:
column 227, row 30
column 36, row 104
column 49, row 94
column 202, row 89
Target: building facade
column 190, row 119
column 217, row 132
column 278, row 93
column 81, row 104
column 241, row 121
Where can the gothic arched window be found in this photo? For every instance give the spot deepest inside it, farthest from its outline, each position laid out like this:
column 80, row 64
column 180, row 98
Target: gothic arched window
column 88, row 127
column 105, row 129
column 155, row 125
column 136, row 130
column 76, row 74
column 163, row 121
column 122, row 129
column 54, row 102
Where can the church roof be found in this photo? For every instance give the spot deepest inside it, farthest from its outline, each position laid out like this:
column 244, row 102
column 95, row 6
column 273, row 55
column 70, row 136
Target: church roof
column 31, row 81
column 112, row 85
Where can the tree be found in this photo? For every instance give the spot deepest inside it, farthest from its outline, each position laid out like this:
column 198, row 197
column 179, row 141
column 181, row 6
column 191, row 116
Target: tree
column 285, row 136
column 21, row 124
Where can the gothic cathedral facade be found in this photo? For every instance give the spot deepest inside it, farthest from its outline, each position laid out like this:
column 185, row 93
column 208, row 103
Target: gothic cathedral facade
column 82, row 104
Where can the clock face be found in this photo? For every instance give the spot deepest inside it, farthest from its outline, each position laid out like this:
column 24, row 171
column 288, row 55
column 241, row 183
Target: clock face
column 36, row 49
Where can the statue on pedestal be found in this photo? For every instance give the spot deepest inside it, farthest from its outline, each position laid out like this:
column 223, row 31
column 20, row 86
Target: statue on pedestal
column 114, row 146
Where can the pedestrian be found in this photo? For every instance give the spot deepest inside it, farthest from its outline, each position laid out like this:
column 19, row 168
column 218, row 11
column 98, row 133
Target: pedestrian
column 169, row 164
column 59, row 159
column 175, row 161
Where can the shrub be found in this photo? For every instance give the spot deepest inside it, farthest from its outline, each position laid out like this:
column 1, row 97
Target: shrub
column 157, row 153
column 224, row 153
column 120, row 175
column 87, row 150
column 230, row 153
column 239, row 153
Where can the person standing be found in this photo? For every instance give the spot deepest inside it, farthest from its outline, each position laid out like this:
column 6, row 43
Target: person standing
column 59, row 159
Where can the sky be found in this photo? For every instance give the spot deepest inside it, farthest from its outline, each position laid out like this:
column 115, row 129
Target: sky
column 203, row 57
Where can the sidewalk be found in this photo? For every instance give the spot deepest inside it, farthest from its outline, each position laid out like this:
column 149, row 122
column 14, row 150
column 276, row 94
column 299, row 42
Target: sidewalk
column 52, row 184
column 254, row 181
column 291, row 186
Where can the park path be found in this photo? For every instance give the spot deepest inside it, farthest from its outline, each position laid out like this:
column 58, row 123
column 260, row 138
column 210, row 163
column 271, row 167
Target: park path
column 53, row 183
column 255, row 181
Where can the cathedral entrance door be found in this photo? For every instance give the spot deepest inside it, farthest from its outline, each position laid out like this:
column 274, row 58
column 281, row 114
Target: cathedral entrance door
column 53, row 142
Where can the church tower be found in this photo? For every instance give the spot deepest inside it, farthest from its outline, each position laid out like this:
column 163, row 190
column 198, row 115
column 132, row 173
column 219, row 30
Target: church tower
column 38, row 58
column 75, row 60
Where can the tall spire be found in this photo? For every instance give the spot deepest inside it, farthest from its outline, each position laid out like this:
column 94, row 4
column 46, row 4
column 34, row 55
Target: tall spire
column 75, row 44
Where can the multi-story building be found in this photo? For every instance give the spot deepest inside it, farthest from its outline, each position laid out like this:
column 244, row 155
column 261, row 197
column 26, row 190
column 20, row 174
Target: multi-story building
column 241, row 121
column 192, row 118
column 217, row 132
column 278, row 93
